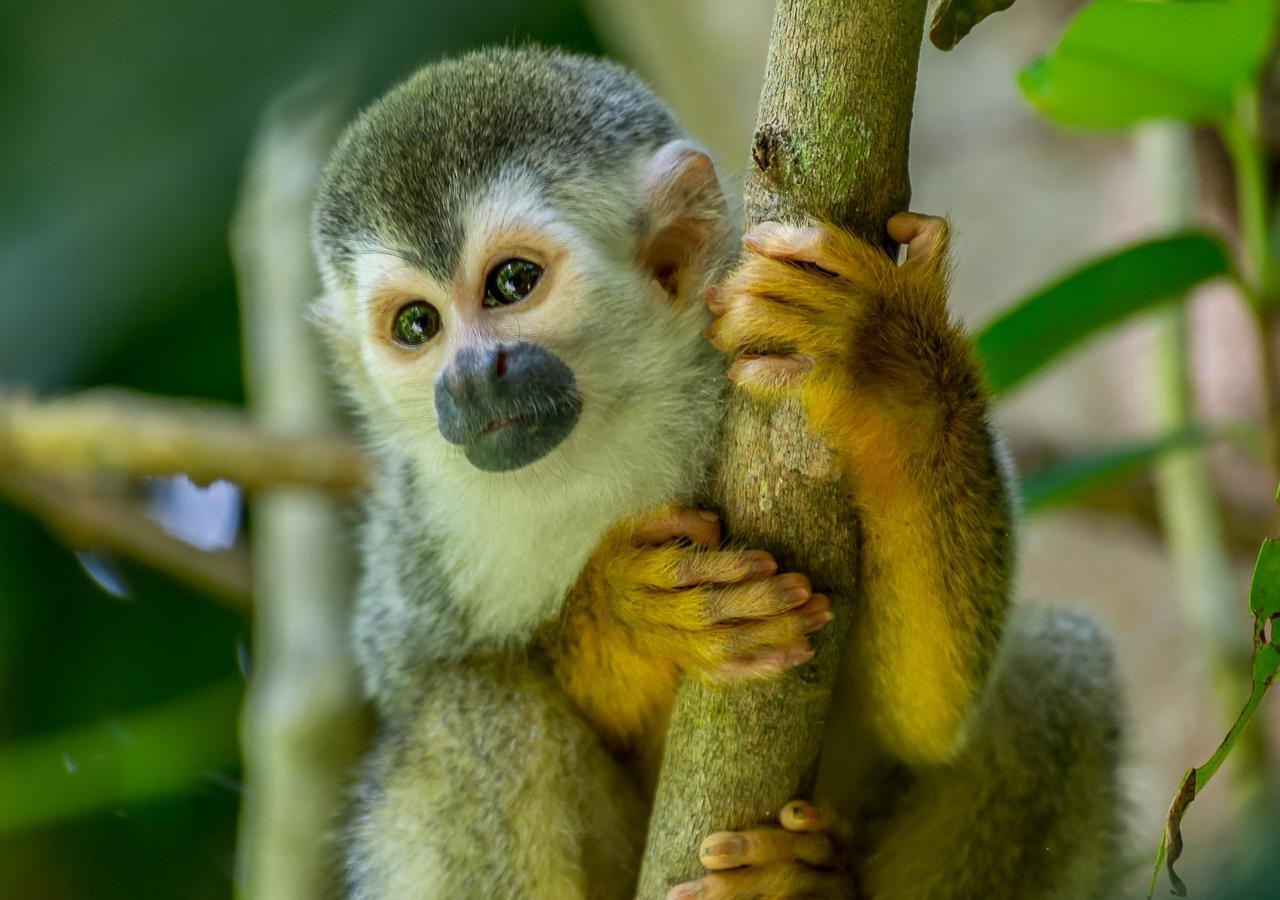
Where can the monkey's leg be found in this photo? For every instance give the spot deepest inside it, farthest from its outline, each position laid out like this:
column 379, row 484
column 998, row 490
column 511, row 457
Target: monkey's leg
column 889, row 381
column 495, row 788
column 1031, row 808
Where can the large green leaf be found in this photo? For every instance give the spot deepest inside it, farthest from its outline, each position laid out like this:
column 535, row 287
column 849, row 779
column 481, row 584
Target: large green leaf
column 1123, row 61
column 1074, row 479
column 1264, row 590
column 1102, row 293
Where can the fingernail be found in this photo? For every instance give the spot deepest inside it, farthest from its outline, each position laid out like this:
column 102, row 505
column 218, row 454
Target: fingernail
column 799, row 656
column 708, row 516
column 763, row 565
column 683, row 892
column 818, row 619
column 796, row 595
column 728, row 848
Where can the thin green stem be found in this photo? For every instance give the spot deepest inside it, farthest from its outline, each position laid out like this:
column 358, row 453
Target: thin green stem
column 1207, row 771
column 1240, row 135
column 1258, row 276
column 1190, row 519
column 1268, row 322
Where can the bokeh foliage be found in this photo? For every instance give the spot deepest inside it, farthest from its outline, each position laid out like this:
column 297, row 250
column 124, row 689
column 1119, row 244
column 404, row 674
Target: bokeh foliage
column 126, row 124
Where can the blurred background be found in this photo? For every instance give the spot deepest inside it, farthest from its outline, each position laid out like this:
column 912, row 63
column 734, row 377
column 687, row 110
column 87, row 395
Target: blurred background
column 127, row 129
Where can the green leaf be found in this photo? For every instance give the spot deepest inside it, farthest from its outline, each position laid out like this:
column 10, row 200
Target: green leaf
column 1266, row 662
column 1124, row 61
column 1264, row 590
column 953, row 19
column 1070, row 481
column 1041, row 327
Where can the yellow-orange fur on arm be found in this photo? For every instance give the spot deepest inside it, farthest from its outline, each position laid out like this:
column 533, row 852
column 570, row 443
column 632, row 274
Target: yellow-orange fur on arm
column 886, row 377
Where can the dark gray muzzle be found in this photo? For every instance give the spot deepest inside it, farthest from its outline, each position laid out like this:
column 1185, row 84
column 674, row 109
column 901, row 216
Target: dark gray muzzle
column 507, row 404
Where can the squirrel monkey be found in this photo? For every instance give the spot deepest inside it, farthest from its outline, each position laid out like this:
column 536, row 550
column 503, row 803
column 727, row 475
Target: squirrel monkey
column 529, row 300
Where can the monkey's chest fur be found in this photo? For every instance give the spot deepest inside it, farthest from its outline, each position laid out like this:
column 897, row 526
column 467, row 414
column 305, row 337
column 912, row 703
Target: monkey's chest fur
column 495, row 781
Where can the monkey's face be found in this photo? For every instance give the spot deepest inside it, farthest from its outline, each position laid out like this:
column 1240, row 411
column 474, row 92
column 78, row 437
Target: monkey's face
column 484, row 358
column 550, row 331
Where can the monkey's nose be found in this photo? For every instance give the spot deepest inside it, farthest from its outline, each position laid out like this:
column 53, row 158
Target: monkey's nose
column 476, row 372
column 511, row 398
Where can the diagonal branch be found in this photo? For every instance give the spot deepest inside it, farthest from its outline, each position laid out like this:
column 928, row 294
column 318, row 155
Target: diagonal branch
column 122, row 433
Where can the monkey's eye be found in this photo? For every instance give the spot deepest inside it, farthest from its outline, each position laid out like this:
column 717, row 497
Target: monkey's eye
column 415, row 324
column 510, row 281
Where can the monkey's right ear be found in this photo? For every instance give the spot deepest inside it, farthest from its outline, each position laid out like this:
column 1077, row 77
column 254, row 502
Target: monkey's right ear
column 687, row 218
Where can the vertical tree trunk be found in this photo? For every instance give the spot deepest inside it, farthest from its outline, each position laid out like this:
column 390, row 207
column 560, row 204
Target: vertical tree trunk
column 831, row 144
column 302, row 725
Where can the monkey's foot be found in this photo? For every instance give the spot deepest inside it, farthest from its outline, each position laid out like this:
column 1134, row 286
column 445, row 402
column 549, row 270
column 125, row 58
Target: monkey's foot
column 800, row 859
column 798, row 308
column 725, row 613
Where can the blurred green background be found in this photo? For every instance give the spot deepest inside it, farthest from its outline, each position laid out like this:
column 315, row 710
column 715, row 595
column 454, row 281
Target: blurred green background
column 125, row 129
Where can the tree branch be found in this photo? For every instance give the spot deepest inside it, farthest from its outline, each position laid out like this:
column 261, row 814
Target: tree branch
column 93, row 520
column 120, row 433
column 831, row 144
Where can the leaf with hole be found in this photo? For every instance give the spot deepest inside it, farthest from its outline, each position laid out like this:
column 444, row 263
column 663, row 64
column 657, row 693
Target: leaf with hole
column 1264, row 590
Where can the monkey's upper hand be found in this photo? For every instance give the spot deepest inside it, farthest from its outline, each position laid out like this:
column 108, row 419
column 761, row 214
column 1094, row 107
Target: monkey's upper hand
column 802, row 859
column 817, row 312
column 720, row 612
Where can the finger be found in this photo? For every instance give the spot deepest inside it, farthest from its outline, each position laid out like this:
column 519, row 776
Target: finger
column 778, row 631
column 769, row 374
column 759, row 324
column 925, row 236
column 780, row 882
column 700, row 527
column 765, row 846
column 833, row 251
column 716, row 611
column 760, row 598
column 712, row 297
column 721, row 567
column 807, row 245
column 764, row 663
column 805, row 816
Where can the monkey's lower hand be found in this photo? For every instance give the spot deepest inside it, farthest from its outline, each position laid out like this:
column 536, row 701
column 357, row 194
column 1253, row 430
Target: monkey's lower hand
column 718, row 612
column 659, row 595
column 802, row 858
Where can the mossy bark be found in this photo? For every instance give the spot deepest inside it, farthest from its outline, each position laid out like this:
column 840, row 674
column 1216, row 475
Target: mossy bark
column 830, row 144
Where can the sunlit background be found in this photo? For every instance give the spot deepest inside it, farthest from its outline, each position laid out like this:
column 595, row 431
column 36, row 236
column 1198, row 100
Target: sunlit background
column 126, row 127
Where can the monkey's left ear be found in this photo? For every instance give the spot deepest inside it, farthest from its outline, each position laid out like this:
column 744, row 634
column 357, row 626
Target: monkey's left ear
column 687, row 218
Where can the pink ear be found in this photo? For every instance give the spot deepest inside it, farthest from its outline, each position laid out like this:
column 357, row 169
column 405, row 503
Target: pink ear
column 686, row 214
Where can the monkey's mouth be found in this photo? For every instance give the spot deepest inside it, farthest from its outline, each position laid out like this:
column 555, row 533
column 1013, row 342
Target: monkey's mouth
column 516, row 439
column 507, row 405
column 500, row 423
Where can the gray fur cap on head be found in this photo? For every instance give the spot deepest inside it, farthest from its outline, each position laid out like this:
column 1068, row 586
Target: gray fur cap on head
column 407, row 165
